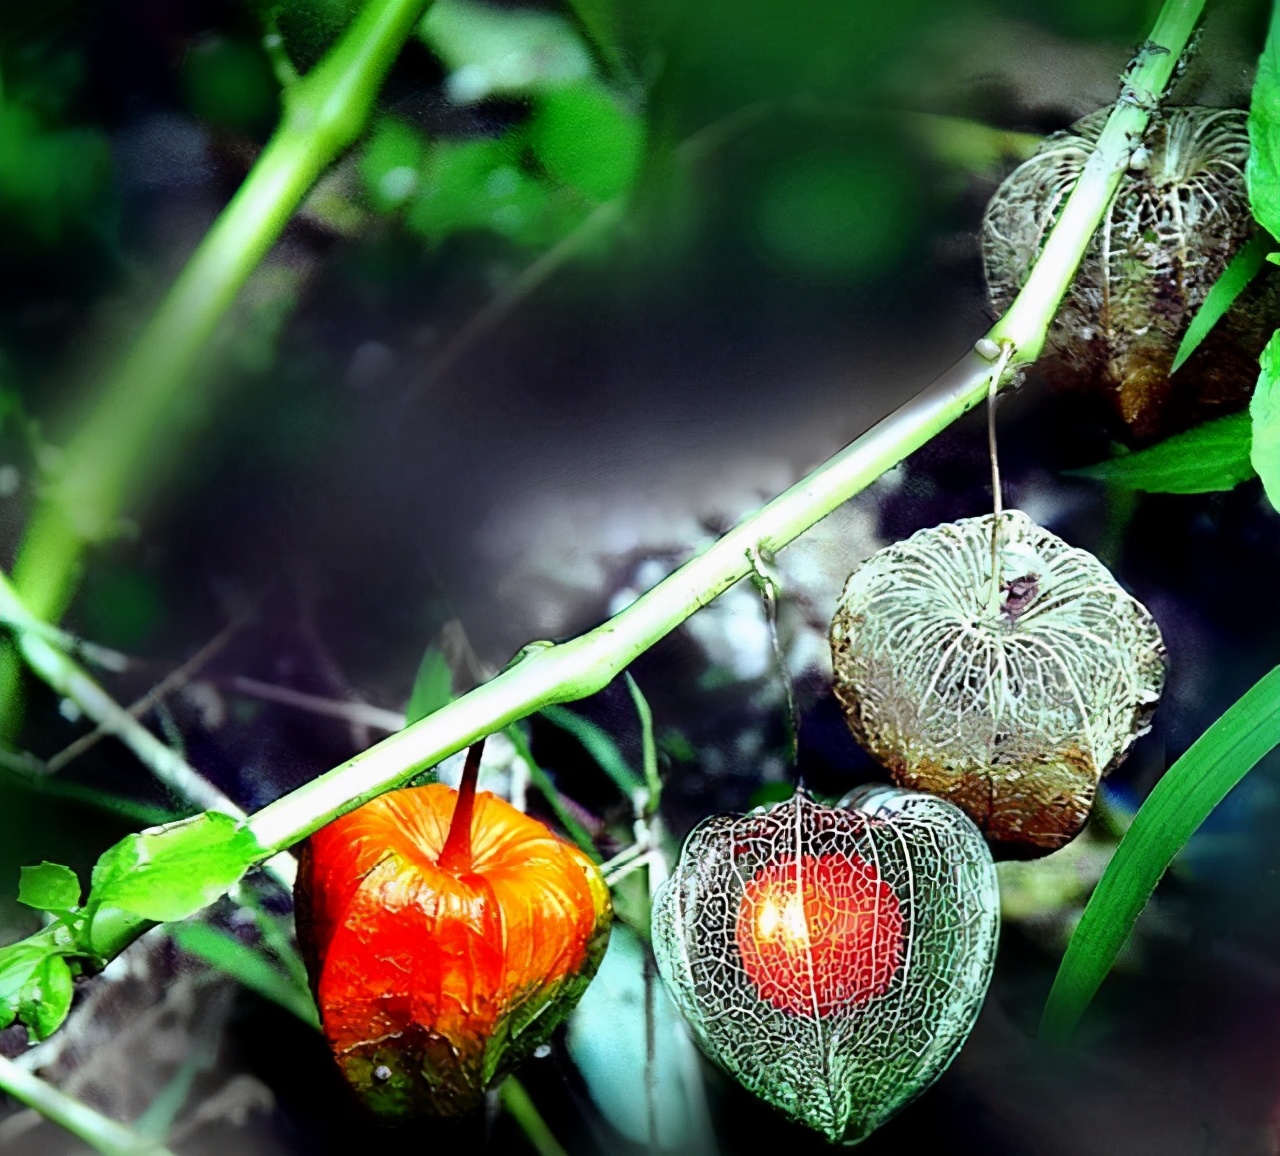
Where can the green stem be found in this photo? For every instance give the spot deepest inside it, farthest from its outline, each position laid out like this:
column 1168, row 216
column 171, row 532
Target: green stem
column 586, row 664
column 95, row 1129
column 524, row 1112
column 104, row 463
column 1026, row 324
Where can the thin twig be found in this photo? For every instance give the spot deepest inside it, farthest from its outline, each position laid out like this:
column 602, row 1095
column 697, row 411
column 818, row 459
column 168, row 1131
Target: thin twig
column 361, row 713
column 68, row 678
column 997, row 493
column 178, row 677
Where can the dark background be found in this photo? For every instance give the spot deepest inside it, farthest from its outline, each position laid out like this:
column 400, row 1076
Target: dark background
column 358, row 483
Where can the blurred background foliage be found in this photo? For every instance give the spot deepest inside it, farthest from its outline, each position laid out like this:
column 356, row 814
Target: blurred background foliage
column 600, row 276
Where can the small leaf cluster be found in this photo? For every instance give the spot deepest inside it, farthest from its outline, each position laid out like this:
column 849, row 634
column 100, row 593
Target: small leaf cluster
column 580, row 147
column 162, row 874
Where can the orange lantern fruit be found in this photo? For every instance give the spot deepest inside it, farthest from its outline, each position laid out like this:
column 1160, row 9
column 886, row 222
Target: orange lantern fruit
column 819, row 933
column 447, row 934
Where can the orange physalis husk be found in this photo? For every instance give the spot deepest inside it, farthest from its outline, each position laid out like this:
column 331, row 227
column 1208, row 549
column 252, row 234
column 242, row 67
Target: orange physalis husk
column 443, row 952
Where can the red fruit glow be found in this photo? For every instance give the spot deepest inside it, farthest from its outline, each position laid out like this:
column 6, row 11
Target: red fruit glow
column 820, row 938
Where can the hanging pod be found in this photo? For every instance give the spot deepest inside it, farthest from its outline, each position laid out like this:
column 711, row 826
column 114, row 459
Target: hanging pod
column 1009, row 693
column 1179, row 216
column 831, row 959
column 447, row 935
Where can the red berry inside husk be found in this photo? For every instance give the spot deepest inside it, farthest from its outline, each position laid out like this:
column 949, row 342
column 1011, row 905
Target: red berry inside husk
column 820, row 933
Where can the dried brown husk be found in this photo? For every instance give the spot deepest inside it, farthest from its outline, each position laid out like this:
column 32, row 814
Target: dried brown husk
column 1180, row 215
column 1009, row 697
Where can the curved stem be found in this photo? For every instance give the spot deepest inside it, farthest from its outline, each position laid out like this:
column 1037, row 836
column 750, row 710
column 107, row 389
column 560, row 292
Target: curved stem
column 91, row 1126
column 106, row 459
column 455, row 855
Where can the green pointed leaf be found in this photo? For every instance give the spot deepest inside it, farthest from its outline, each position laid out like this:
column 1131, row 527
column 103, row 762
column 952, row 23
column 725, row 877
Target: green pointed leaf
column 1235, row 278
column 45, row 998
column 1262, row 172
column 1180, row 802
column 587, row 141
column 432, row 687
column 49, row 887
column 648, row 1088
column 165, row 874
column 1212, row 456
column 1264, row 417
column 600, row 746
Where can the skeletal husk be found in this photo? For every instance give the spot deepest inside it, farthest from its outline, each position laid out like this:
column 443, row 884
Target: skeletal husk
column 1008, row 694
column 889, row 968
column 1180, row 215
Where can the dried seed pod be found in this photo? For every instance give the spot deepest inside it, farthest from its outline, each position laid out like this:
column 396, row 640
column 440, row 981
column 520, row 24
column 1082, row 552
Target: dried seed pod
column 1009, row 695
column 831, row 959
column 1180, row 215
column 441, row 960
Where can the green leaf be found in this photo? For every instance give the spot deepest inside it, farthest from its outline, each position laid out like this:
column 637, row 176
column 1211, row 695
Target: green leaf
column 245, row 965
column 1180, row 802
column 19, row 963
column 1235, row 278
column 165, row 874
column 1264, row 416
column 45, row 998
column 586, row 140
column 391, row 164
column 1212, row 456
column 493, row 51
column 432, row 687
column 1262, row 172
column 609, row 1042
column 480, row 185
column 599, row 746
column 49, row 887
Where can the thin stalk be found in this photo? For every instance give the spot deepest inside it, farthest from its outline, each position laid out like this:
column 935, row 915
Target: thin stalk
column 456, row 852
column 82, row 1121
column 648, row 748
column 106, row 459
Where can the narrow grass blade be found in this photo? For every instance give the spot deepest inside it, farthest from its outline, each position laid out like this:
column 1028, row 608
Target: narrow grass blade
column 600, row 746
column 1208, row 457
column 542, row 782
column 1180, row 802
column 1242, row 269
column 649, row 747
column 245, row 965
column 144, row 814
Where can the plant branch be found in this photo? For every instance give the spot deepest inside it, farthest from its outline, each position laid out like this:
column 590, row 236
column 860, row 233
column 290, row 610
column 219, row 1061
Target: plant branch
column 104, row 462
column 547, row 673
column 95, row 1129
column 553, row 673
